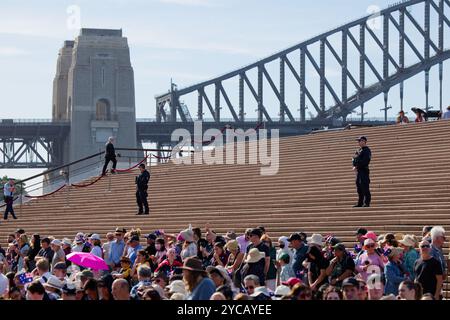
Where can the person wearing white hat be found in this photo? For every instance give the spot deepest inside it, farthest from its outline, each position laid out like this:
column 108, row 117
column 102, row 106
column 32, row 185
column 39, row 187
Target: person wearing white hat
column 370, row 261
column 410, row 254
column 253, row 265
column 59, row 255
column 281, row 291
column 96, row 245
column 178, row 296
column 254, row 255
column 79, row 245
column 261, row 293
column 316, row 239
column 53, row 287
column 176, row 287
column 189, row 246
column 67, row 245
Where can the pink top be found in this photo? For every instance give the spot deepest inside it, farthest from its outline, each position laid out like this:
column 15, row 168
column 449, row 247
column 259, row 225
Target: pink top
column 375, row 264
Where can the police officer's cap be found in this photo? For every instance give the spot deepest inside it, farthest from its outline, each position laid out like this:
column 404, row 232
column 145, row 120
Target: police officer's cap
column 362, row 138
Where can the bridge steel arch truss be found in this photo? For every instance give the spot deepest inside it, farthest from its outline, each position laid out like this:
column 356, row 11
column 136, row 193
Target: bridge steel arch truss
column 398, row 23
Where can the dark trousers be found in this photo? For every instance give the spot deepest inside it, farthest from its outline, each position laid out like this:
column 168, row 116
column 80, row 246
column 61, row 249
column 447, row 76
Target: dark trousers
column 9, row 208
column 107, row 160
column 141, row 199
column 362, row 186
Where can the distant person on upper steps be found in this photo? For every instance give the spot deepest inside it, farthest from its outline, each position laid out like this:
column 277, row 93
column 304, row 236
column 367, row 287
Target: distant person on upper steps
column 419, row 115
column 110, row 155
column 402, row 119
column 361, row 162
column 446, row 114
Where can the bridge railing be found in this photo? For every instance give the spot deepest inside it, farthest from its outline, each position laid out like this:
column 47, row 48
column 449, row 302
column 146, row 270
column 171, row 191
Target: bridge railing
column 33, row 121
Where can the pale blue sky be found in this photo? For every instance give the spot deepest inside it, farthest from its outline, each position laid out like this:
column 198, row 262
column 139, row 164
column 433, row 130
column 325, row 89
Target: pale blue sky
column 187, row 40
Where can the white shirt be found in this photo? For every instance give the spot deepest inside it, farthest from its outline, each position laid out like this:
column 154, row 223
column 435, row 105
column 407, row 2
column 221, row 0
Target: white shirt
column 446, row 115
column 77, row 248
column 106, row 248
column 6, row 190
column 97, row 251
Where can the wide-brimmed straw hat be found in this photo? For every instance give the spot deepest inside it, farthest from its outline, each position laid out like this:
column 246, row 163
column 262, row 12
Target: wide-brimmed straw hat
column 408, row 241
column 254, row 255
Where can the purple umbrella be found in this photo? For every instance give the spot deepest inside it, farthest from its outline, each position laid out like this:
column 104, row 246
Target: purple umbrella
column 87, row 260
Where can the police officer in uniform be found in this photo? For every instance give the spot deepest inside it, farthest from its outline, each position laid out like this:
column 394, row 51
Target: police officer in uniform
column 361, row 162
column 141, row 190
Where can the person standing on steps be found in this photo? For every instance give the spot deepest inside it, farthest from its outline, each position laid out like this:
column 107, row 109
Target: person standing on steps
column 361, row 162
column 8, row 192
column 141, row 190
column 110, row 155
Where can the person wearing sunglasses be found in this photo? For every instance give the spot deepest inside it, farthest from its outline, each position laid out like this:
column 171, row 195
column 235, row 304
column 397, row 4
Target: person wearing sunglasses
column 116, row 249
column 428, row 271
column 251, row 282
column 370, row 261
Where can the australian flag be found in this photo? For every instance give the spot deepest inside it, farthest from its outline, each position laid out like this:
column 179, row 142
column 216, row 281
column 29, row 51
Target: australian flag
column 25, row 278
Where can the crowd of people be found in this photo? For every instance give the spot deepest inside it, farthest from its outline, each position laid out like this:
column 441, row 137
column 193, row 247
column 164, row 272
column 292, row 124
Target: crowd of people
column 421, row 116
column 196, row 265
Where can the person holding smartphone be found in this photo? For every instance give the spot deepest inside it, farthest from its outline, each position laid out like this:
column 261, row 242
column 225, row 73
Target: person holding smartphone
column 8, row 192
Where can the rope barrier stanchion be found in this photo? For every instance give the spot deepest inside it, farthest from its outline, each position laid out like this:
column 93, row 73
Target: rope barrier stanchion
column 21, row 197
column 45, row 195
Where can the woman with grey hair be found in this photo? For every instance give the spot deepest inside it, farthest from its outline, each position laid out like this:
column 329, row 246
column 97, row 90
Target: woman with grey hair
column 110, row 155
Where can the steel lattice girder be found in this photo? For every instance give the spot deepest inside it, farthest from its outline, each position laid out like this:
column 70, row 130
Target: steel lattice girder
column 27, row 153
column 343, row 105
column 31, row 144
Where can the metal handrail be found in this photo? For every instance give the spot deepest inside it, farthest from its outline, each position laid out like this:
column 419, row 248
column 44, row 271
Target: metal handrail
column 90, row 157
column 62, row 167
column 71, row 172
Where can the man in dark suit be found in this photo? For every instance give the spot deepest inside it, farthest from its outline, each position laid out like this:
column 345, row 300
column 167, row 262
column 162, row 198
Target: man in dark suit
column 361, row 162
column 110, row 155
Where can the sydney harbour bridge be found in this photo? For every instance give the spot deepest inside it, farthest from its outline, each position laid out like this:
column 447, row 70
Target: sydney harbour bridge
column 409, row 41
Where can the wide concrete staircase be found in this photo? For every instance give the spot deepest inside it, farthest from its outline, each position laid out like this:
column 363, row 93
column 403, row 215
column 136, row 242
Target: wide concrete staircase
column 313, row 191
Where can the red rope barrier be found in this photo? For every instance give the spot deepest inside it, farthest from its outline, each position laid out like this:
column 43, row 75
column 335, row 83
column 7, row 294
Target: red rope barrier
column 130, row 168
column 162, row 158
column 46, row 195
column 87, row 184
